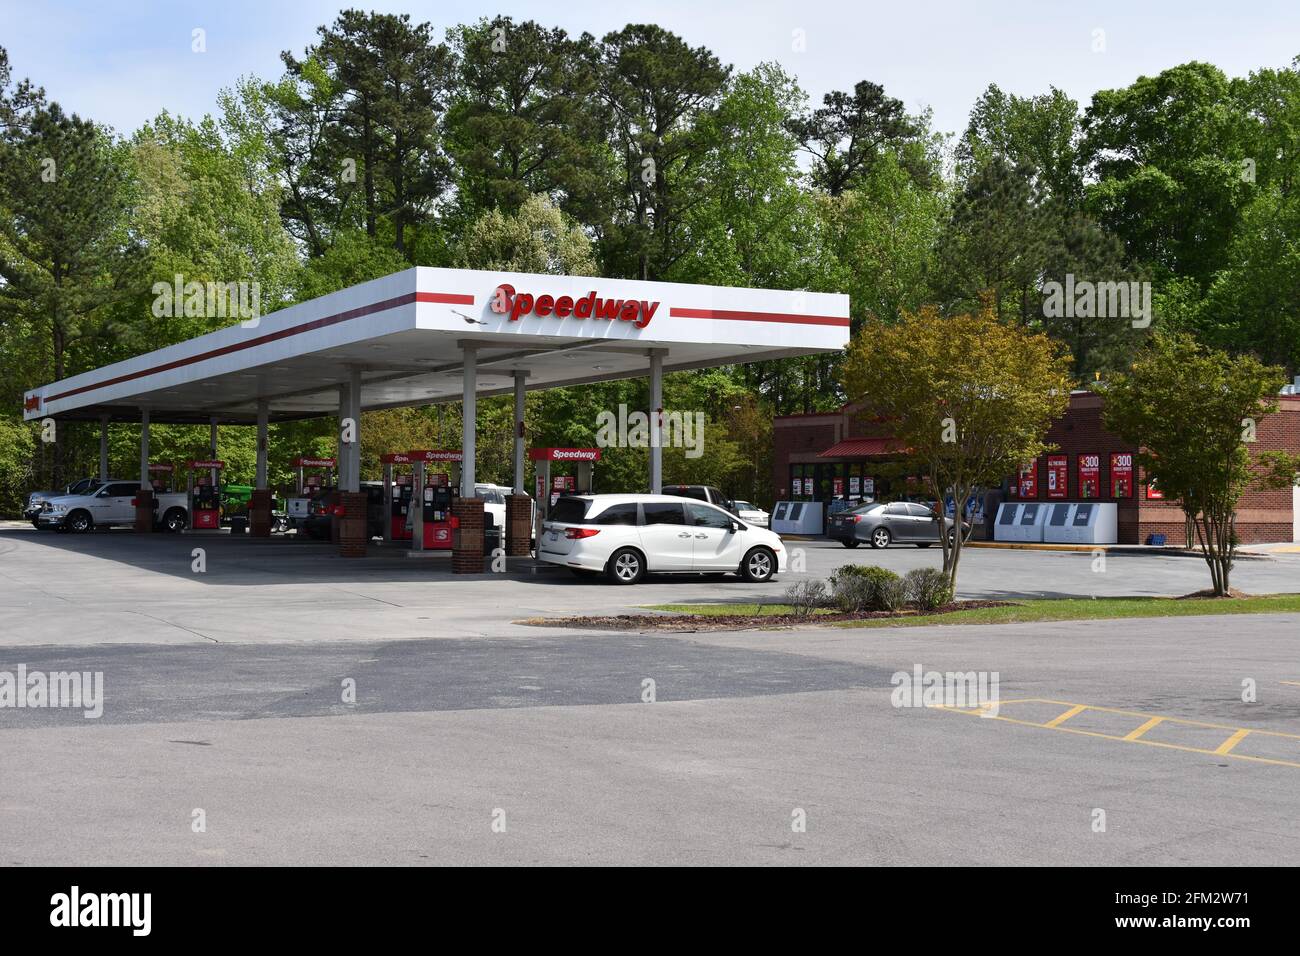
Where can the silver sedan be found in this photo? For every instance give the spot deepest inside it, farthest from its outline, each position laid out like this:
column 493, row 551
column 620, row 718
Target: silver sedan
column 899, row 522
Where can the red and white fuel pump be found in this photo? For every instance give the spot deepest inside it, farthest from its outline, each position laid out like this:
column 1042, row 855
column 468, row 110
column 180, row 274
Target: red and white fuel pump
column 205, row 496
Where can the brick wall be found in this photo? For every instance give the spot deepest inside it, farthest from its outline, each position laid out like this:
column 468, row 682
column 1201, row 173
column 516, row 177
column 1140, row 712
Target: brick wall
column 1262, row 515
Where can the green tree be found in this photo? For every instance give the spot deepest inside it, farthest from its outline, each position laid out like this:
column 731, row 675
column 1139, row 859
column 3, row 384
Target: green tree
column 657, row 88
column 995, row 242
column 66, row 253
column 1190, row 410
column 525, row 118
column 969, row 396
column 393, row 81
column 539, row 238
column 1040, row 132
column 1166, row 155
column 850, row 131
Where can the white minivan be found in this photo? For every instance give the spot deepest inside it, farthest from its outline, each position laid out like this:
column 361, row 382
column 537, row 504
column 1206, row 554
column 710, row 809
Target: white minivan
column 627, row 536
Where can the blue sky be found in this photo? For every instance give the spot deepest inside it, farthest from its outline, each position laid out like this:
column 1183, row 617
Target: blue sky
column 123, row 62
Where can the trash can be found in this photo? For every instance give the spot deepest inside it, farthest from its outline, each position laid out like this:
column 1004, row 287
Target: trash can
column 239, row 524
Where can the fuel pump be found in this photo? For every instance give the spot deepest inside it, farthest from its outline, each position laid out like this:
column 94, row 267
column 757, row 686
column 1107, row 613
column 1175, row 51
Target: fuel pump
column 160, row 476
column 205, row 497
column 550, row 488
column 309, row 487
column 397, row 497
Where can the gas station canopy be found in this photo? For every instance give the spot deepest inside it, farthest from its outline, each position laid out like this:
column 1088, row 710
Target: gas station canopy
column 410, row 335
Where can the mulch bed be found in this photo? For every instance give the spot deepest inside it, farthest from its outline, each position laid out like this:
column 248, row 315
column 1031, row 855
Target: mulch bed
column 736, row 622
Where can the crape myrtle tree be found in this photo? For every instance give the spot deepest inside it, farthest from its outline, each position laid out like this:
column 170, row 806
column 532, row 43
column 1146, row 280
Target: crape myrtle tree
column 970, row 398
column 1192, row 411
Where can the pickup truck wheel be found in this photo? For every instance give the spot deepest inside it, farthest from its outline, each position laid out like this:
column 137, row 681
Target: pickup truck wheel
column 80, row 522
column 175, row 520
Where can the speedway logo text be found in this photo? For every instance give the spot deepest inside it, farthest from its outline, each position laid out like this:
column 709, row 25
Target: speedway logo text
column 38, row 689
column 505, row 301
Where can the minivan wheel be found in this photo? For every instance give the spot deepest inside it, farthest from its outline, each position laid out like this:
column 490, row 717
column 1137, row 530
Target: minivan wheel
column 759, row 566
column 80, row 522
column 626, row 566
column 880, row 538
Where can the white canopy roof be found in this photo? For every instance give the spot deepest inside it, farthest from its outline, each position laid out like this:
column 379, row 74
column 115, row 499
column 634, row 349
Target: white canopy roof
column 408, row 332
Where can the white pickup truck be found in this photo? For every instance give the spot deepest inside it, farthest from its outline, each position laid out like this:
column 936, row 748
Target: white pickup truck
column 112, row 503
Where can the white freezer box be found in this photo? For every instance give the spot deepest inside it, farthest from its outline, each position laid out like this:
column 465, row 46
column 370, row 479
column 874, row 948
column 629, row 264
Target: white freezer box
column 1020, row 521
column 1084, row 522
column 797, row 517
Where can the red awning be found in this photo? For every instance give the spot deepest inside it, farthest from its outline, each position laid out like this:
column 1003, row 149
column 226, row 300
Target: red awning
column 862, row 448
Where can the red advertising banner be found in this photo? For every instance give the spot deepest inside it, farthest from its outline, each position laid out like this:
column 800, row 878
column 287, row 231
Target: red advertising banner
column 1121, row 475
column 1058, row 468
column 1027, row 486
column 1089, row 476
column 837, row 486
column 1154, row 493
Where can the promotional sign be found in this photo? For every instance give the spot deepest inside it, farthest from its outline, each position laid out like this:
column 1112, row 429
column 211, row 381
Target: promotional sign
column 1057, row 471
column 837, row 486
column 1154, row 493
column 1121, row 475
column 540, row 490
column 1027, row 486
column 855, row 484
column 1089, row 476
column 564, row 454
column 868, row 486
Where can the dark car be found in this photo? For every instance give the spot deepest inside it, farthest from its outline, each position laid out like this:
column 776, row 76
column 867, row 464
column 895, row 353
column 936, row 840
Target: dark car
column 707, row 493
column 317, row 524
column 899, row 522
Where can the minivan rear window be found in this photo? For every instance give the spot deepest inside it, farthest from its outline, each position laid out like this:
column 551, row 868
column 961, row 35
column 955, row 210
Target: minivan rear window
column 569, row 510
column 624, row 513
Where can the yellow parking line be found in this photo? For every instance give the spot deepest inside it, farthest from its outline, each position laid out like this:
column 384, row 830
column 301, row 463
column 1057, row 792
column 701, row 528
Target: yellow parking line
column 1293, row 683
column 1073, row 711
column 1134, row 735
column 1137, row 736
column 1227, row 745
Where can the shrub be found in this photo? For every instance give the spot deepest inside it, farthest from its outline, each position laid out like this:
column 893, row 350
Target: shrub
column 854, row 593
column 928, row 588
column 804, row 597
column 858, row 587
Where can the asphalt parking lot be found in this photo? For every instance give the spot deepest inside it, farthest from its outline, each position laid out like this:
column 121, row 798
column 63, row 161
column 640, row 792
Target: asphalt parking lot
column 226, row 692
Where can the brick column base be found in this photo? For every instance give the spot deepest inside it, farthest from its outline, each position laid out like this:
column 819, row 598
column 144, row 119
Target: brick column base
column 351, row 524
column 467, row 538
column 144, row 510
column 259, row 513
column 519, row 525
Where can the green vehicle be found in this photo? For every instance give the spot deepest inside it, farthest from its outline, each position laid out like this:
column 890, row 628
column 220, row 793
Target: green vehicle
column 235, row 499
